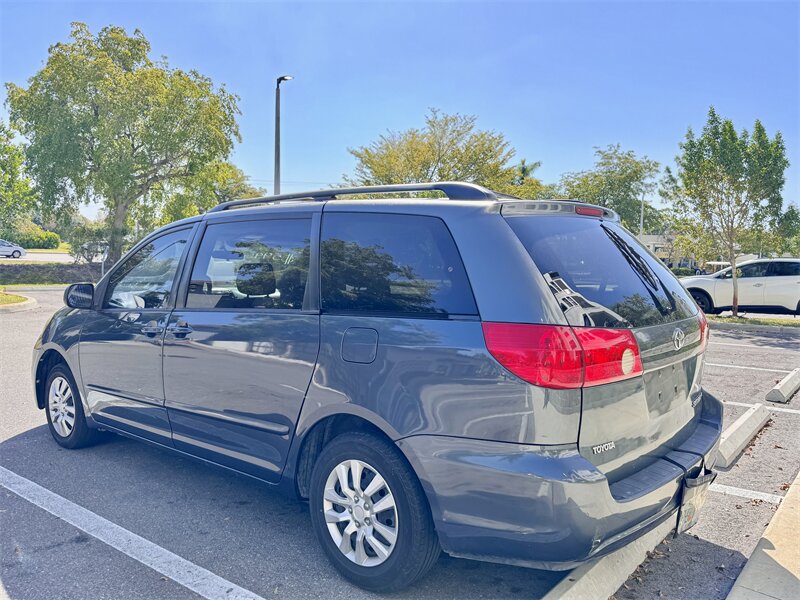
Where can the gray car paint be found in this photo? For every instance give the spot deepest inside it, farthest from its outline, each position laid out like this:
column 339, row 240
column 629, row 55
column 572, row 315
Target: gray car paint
column 498, row 458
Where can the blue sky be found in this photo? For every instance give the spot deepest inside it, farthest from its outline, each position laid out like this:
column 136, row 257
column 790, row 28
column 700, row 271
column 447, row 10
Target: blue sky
column 557, row 78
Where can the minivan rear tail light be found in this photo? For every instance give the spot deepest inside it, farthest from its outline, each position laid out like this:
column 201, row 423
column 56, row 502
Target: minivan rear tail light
column 704, row 331
column 561, row 357
column 544, row 355
column 608, row 355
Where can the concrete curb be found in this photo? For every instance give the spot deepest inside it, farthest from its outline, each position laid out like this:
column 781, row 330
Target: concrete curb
column 773, row 570
column 786, row 388
column 601, row 578
column 28, row 304
column 782, row 329
column 736, row 437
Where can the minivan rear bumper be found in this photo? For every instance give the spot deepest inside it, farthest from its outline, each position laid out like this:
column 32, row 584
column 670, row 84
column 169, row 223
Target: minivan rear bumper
column 547, row 506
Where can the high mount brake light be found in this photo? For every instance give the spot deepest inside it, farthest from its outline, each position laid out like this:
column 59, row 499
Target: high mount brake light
column 589, row 211
column 563, row 357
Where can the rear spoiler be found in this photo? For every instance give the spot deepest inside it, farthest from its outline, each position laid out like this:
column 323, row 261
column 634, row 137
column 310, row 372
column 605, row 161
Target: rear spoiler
column 556, row 207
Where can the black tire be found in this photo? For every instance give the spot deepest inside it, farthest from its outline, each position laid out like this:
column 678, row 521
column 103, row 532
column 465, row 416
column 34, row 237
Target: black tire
column 80, row 435
column 703, row 301
column 416, row 547
column 15, row 254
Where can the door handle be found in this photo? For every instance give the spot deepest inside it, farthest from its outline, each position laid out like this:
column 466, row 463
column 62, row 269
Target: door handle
column 152, row 329
column 180, row 329
column 757, row 284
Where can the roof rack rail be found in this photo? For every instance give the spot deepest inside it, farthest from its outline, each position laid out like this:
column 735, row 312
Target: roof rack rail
column 454, row 190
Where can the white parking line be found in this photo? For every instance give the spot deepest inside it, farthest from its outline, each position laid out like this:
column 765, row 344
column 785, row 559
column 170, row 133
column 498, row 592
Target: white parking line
column 743, row 493
column 708, row 364
column 191, row 576
column 771, row 407
column 756, row 346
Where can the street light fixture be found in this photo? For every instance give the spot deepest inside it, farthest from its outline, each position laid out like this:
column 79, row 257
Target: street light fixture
column 281, row 79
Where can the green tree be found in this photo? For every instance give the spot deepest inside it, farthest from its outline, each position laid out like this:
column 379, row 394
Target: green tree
column 16, row 192
column 105, row 122
column 618, row 181
column 727, row 183
column 215, row 183
column 447, row 148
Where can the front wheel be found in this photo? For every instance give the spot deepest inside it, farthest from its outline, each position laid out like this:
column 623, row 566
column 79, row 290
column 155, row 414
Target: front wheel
column 15, row 254
column 64, row 410
column 370, row 514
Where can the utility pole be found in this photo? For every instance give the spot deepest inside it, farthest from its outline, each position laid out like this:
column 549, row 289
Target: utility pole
column 281, row 79
column 641, row 219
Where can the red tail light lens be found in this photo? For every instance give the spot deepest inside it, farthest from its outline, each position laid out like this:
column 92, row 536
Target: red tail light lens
column 589, row 211
column 608, row 355
column 704, row 332
column 544, row 355
column 560, row 357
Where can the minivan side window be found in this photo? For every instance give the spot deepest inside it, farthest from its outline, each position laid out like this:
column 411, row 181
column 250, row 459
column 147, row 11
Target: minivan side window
column 251, row 264
column 392, row 264
column 784, row 269
column 145, row 279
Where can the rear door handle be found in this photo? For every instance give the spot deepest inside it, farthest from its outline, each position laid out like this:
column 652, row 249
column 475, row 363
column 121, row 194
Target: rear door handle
column 757, row 284
column 152, row 328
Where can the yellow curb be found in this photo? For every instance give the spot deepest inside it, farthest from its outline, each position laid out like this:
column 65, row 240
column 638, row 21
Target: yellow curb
column 773, row 570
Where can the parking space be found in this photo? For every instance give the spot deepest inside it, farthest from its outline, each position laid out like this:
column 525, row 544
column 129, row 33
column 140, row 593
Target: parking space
column 245, row 533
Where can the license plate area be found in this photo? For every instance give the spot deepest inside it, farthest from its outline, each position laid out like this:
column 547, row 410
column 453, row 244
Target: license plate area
column 693, row 495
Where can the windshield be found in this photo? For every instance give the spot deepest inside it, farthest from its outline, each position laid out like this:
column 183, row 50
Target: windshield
column 599, row 273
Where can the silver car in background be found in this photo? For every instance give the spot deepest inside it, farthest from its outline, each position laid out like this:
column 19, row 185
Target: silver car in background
column 7, row 249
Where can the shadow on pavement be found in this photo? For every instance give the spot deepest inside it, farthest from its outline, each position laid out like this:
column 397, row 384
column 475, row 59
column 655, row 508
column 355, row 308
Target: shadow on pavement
column 234, row 526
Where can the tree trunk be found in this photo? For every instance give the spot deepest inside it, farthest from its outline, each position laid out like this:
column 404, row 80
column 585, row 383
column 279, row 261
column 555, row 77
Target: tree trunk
column 116, row 237
column 735, row 280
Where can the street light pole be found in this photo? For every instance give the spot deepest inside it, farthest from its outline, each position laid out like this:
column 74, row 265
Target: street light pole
column 641, row 219
column 281, row 79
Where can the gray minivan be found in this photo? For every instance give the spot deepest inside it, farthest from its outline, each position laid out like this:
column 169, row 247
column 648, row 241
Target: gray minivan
column 507, row 380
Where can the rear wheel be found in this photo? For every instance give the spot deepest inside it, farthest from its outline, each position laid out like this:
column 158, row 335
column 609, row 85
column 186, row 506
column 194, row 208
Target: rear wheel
column 65, row 412
column 370, row 514
column 703, row 301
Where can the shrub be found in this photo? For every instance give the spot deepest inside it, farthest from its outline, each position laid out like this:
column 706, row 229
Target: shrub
column 29, row 235
column 682, row 271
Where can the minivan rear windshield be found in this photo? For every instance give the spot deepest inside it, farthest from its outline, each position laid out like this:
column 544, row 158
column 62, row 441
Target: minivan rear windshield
column 599, row 273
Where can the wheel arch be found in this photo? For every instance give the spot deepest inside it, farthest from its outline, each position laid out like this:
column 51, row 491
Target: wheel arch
column 49, row 359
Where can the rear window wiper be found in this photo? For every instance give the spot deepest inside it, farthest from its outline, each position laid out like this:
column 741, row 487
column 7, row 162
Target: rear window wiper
column 646, row 274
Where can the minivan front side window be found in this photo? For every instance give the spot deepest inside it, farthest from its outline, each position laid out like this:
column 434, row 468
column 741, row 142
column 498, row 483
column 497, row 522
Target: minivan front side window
column 252, row 264
column 392, row 264
column 145, row 279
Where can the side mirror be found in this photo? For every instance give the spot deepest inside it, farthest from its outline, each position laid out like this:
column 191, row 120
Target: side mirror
column 79, row 295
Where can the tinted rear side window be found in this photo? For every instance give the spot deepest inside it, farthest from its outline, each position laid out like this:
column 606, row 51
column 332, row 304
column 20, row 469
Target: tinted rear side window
column 785, row 269
column 600, row 274
column 398, row 264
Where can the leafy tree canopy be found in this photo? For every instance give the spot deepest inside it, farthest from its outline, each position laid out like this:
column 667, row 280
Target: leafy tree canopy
column 618, row 181
column 727, row 183
column 215, row 183
column 105, row 122
column 16, row 192
column 447, row 148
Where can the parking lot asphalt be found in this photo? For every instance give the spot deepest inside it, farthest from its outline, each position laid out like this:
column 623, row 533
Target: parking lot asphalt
column 57, row 257
column 244, row 532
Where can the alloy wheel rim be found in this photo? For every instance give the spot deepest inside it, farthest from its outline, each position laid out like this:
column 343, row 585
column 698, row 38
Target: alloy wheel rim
column 360, row 513
column 61, row 404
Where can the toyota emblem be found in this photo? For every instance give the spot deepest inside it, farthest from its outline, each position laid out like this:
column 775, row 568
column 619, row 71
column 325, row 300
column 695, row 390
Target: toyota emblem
column 678, row 338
